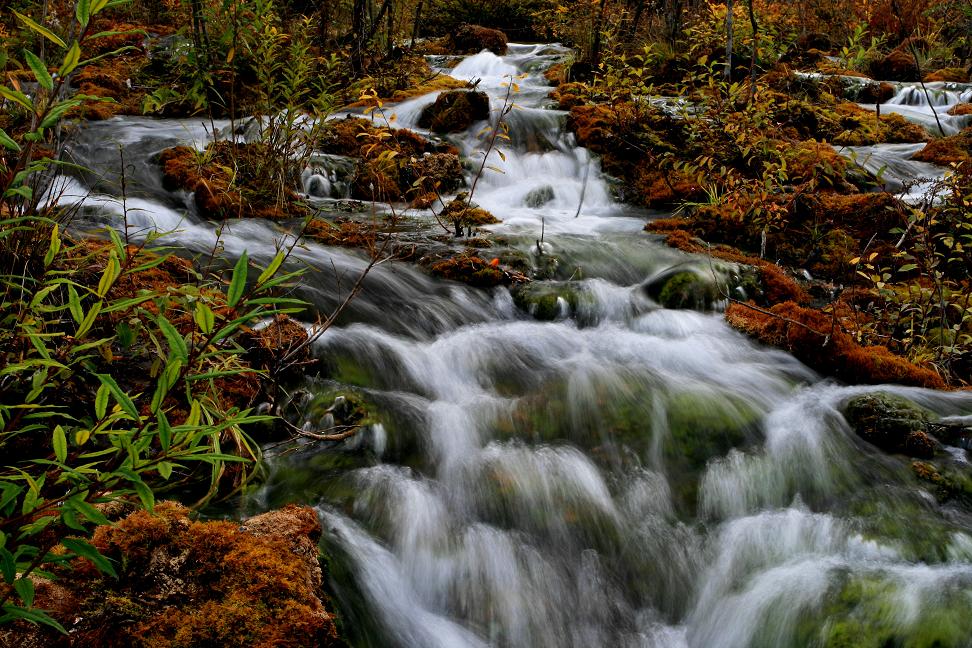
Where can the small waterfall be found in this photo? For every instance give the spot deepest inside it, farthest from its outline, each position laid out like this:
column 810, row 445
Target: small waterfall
column 929, row 105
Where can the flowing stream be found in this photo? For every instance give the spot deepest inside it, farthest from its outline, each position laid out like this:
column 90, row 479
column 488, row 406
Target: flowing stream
column 620, row 475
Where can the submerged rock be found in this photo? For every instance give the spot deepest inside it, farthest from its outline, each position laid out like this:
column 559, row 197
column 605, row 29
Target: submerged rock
column 892, row 423
column 539, row 197
column 548, row 300
column 683, row 289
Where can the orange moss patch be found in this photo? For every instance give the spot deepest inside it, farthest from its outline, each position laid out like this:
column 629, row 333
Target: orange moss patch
column 455, row 111
column 185, row 583
column 343, row 233
column 946, row 151
column 433, row 84
column 816, row 339
column 960, row 109
column 475, row 271
column 248, row 193
column 556, row 74
column 811, row 160
column 955, row 75
column 856, row 126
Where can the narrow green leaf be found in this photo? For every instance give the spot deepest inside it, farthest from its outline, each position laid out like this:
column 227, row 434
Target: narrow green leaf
column 60, row 444
column 165, row 431
column 177, row 344
column 86, row 550
column 85, row 508
column 145, row 494
column 40, row 29
column 165, row 470
column 54, row 247
column 40, row 71
column 205, row 319
column 101, row 401
column 74, row 304
column 238, row 281
column 89, row 320
column 272, row 268
column 7, row 142
column 38, row 617
column 83, row 12
column 120, row 396
column 25, row 590
column 17, row 97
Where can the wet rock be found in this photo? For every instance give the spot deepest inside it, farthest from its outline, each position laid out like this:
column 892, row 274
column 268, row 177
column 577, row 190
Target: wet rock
column 682, row 289
column 455, row 111
column 892, row 423
column 898, row 65
column 547, row 300
column 464, row 215
column 539, row 197
column 471, row 39
column 874, row 93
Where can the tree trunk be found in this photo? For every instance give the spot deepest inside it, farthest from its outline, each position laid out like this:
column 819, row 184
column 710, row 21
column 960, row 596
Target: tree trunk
column 727, row 74
column 598, row 26
column 752, row 59
column 415, row 25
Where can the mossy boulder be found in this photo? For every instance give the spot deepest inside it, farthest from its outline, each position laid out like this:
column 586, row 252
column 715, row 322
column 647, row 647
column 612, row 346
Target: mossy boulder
column 547, row 300
column 898, row 65
column 470, row 39
column 892, row 423
column 683, row 289
column 475, row 271
column 455, row 111
column 539, row 197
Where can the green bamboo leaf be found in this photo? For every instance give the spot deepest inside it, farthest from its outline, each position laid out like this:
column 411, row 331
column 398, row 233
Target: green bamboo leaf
column 25, row 590
column 205, row 319
column 86, row 550
column 101, row 401
column 165, row 431
column 177, row 344
column 145, row 494
column 89, row 320
column 60, row 444
column 83, row 12
column 74, row 304
column 272, row 268
column 40, row 29
column 54, row 247
column 55, row 113
column 85, row 508
column 7, row 142
column 40, row 71
column 108, row 277
column 17, row 97
column 238, row 281
column 38, row 617
column 165, row 470
column 71, row 60
column 120, row 396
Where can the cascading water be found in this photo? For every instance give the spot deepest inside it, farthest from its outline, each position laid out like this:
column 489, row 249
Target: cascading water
column 624, row 475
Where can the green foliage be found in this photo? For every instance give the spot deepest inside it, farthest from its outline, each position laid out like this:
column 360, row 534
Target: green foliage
column 113, row 375
column 925, row 302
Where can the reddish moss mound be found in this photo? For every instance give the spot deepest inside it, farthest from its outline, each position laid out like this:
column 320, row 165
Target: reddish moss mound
column 471, row 39
column 183, row 583
column 898, row 65
column 475, row 271
column 946, row 151
column 395, row 164
column 960, row 109
column 218, row 195
column 818, row 341
column 955, row 75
